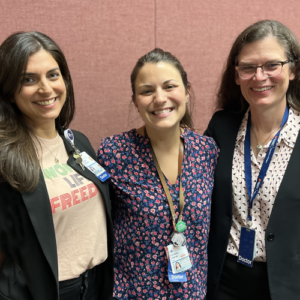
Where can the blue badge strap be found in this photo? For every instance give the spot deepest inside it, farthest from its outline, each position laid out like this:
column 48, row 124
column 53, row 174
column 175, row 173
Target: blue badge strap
column 265, row 165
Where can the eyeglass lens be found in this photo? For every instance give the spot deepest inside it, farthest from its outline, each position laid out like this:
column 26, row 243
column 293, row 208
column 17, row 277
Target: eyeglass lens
column 269, row 69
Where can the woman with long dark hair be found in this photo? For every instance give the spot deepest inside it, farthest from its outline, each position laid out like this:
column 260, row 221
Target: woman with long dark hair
column 55, row 225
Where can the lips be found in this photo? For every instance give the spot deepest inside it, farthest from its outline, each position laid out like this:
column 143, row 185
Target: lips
column 262, row 89
column 46, row 102
column 162, row 111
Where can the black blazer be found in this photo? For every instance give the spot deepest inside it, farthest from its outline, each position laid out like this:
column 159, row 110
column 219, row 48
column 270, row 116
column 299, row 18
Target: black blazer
column 283, row 232
column 33, row 272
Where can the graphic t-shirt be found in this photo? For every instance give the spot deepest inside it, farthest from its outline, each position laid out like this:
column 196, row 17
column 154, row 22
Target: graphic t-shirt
column 78, row 212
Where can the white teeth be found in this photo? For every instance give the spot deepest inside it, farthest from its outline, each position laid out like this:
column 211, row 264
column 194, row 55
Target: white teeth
column 158, row 112
column 47, row 102
column 262, row 89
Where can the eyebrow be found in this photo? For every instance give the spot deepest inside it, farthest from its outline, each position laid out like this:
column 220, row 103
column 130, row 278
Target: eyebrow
column 252, row 64
column 29, row 73
column 149, row 85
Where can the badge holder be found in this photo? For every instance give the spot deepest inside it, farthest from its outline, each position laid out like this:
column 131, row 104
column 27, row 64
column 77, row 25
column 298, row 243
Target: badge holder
column 179, row 259
column 178, row 277
column 247, row 247
column 94, row 167
column 84, row 160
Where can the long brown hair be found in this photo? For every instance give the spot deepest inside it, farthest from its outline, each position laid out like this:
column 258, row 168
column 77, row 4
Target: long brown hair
column 158, row 55
column 229, row 95
column 19, row 165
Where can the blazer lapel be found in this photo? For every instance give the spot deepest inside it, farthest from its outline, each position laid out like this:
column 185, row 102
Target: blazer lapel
column 287, row 199
column 103, row 187
column 225, row 137
column 39, row 210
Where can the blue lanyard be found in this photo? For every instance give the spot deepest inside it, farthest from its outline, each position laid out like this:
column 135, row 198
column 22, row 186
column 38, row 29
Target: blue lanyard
column 265, row 165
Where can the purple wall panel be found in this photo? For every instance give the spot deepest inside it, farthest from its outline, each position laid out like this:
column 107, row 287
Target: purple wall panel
column 200, row 34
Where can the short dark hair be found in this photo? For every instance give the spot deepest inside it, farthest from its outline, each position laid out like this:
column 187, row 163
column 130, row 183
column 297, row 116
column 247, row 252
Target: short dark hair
column 158, row 55
column 229, row 94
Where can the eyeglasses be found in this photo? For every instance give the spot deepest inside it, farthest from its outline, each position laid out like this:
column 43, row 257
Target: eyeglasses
column 270, row 69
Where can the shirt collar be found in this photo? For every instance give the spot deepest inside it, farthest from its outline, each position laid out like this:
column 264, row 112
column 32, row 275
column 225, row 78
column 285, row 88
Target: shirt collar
column 288, row 134
column 290, row 131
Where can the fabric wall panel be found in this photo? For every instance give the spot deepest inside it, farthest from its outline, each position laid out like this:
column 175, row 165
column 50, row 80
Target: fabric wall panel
column 102, row 41
column 201, row 33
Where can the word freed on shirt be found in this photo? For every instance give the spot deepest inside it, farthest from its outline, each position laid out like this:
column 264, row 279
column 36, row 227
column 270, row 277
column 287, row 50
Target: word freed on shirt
column 67, row 200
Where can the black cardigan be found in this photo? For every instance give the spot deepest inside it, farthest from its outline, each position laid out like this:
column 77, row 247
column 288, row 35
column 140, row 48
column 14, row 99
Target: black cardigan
column 283, row 250
column 30, row 272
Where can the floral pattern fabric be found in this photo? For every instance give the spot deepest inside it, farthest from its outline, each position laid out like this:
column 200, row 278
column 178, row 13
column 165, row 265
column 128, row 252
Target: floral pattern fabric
column 141, row 215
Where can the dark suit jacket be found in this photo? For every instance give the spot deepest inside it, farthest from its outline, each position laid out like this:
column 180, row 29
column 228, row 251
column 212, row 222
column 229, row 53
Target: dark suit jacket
column 33, row 273
column 283, row 232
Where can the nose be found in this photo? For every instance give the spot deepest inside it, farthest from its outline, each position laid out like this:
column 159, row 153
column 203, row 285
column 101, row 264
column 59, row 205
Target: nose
column 160, row 96
column 45, row 86
column 259, row 74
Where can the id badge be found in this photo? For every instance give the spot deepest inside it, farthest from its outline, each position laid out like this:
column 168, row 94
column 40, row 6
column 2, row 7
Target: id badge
column 94, row 167
column 179, row 259
column 179, row 277
column 247, row 247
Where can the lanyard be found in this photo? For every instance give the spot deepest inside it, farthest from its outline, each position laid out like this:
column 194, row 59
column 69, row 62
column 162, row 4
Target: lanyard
column 180, row 223
column 265, row 165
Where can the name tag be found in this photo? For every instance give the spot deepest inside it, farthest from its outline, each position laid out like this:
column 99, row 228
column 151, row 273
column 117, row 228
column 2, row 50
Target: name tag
column 179, row 277
column 247, row 248
column 179, row 259
column 94, row 167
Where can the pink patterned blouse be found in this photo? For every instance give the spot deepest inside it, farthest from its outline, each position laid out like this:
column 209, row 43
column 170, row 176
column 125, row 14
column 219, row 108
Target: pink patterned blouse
column 141, row 215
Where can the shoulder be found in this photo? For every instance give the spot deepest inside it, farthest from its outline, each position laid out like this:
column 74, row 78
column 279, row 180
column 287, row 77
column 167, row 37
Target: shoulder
column 128, row 138
column 224, row 122
column 199, row 141
column 120, row 146
column 83, row 143
column 201, row 149
column 222, row 115
column 79, row 136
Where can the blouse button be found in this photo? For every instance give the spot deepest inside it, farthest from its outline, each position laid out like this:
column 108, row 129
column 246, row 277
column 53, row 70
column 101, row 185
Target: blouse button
column 270, row 237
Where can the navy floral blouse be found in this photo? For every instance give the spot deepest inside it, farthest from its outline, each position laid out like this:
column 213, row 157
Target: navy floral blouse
column 142, row 218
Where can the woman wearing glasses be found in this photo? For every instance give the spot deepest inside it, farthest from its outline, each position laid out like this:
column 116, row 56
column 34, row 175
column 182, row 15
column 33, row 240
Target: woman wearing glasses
column 254, row 244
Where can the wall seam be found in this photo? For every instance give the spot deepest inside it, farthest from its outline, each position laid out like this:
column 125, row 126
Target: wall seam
column 155, row 28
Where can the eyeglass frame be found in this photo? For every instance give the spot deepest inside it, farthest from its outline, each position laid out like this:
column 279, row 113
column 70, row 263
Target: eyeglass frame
column 281, row 62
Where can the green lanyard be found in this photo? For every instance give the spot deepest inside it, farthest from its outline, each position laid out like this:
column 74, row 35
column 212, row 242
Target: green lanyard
column 180, row 226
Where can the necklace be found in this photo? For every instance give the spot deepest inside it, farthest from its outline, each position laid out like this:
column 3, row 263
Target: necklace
column 259, row 146
column 55, row 156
